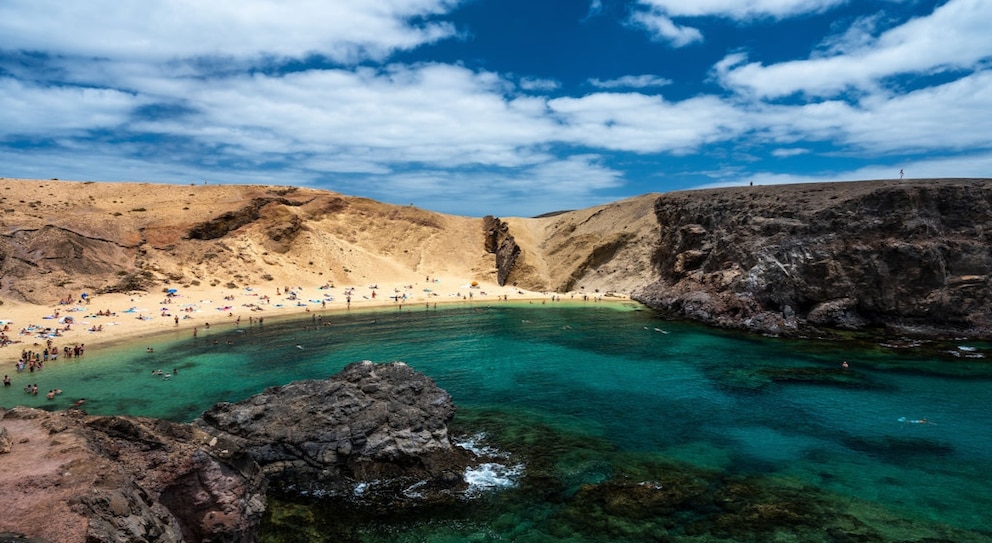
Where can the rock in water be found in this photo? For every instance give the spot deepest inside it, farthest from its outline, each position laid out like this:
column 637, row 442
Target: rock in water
column 372, row 431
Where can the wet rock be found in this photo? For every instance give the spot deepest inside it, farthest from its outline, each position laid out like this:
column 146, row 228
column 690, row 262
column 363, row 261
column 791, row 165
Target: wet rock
column 379, row 431
column 372, row 429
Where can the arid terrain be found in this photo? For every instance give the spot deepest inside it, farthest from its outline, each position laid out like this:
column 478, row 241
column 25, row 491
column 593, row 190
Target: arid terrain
column 61, row 238
column 770, row 259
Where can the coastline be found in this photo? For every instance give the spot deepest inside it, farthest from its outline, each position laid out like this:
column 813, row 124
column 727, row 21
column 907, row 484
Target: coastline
column 107, row 320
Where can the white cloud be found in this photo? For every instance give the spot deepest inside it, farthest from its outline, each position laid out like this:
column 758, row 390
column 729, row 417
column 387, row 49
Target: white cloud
column 631, row 82
column 439, row 114
column 658, row 16
column 790, row 152
column 955, row 36
column 595, row 9
column 941, row 117
column 646, row 124
column 573, row 182
column 858, row 36
column 537, row 84
column 163, row 30
column 740, row 9
column 30, row 110
column 663, row 28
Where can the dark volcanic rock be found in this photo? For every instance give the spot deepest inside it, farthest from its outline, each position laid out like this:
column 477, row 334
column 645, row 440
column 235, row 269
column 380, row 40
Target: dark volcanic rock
column 914, row 255
column 377, row 433
column 500, row 242
column 375, row 427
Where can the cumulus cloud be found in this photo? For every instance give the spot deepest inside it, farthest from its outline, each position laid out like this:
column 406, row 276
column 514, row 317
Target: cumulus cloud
column 954, row 37
column 646, row 124
column 663, row 28
column 658, row 16
column 164, row 30
column 941, row 117
column 227, row 92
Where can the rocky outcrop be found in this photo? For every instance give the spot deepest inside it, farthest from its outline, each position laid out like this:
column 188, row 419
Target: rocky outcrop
column 500, row 242
column 914, row 255
column 370, row 431
column 373, row 434
column 78, row 478
column 224, row 223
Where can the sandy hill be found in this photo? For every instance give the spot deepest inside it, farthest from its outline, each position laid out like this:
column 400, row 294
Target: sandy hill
column 61, row 238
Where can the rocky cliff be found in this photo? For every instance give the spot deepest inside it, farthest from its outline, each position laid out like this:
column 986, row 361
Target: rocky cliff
column 913, row 256
column 501, row 244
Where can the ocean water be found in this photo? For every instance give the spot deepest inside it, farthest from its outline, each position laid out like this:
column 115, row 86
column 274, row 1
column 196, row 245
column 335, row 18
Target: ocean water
column 615, row 425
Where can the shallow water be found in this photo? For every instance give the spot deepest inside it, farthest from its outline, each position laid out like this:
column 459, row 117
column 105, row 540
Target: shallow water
column 593, row 397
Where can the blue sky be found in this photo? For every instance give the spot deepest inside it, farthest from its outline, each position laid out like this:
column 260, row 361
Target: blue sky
column 504, row 107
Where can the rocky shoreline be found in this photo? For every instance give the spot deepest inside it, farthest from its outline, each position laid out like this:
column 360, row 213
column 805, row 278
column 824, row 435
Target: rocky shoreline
column 366, row 434
column 906, row 258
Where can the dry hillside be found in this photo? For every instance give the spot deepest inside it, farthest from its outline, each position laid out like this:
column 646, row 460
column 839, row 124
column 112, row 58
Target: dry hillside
column 60, row 237
column 600, row 249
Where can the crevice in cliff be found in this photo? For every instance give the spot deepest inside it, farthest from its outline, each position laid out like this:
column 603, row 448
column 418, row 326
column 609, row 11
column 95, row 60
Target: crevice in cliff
column 500, row 242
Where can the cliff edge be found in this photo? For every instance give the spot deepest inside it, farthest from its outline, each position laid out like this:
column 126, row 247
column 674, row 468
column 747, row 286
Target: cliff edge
column 911, row 256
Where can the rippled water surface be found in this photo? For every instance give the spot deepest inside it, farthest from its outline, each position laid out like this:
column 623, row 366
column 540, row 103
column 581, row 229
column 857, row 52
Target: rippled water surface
column 628, row 428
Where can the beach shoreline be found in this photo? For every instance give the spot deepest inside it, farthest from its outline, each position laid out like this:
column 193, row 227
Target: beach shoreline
column 101, row 321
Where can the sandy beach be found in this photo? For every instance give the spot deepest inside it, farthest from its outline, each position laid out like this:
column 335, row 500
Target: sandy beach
column 93, row 264
column 101, row 320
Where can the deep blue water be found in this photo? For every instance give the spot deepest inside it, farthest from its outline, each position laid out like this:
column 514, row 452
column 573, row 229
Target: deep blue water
column 607, row 406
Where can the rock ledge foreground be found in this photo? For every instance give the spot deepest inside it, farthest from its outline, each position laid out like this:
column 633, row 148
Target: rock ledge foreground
column 72, row 477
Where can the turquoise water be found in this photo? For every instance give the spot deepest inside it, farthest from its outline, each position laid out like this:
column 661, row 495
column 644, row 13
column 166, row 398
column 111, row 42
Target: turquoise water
column 629, row 428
